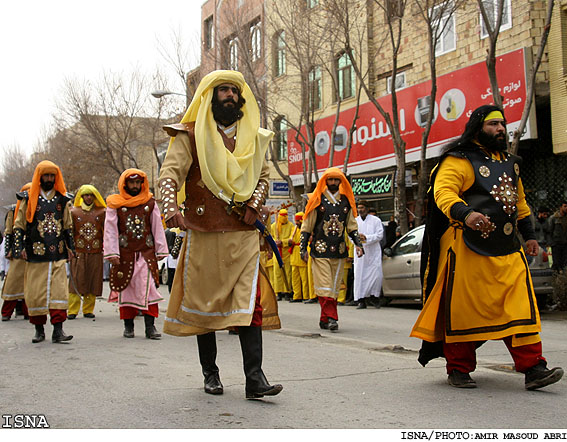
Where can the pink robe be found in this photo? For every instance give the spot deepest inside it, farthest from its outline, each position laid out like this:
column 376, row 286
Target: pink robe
column 142, row 291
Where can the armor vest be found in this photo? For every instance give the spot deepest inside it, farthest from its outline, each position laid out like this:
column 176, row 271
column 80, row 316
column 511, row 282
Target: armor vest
column 494, row 193
column 88, row 228
column 203, row 210
column 44, row 238
column 134, row 237
column 328, row 233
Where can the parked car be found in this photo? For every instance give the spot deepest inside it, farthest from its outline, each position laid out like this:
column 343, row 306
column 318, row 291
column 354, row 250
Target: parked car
column 401, row 264
column 162, row 266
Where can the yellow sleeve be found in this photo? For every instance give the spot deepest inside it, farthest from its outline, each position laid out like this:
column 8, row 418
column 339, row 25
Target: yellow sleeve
column 351, row 223
column 21, row 222
column 454, row 177
column 523, row 208
column 67, row 218
column 309, row 222
column 9, row 223
column 178, row 160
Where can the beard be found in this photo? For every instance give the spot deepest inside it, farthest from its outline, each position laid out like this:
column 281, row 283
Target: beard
column 492, row 142
column 333, row 188
column 226, row 114
column 47, row 185
column 133, row 192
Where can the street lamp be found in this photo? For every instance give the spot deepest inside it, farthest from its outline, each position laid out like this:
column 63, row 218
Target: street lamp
column 160, row 94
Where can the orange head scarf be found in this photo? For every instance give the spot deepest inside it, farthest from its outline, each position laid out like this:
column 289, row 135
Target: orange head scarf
column 344, row 188
column 124, row 199
column 43, row 168
column 26, row 186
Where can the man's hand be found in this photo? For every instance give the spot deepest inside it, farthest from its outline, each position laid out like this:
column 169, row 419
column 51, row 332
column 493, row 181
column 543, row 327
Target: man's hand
column 305, row 256
column 477, row 221
column 176, row 220
column 359, row 251
column 24, row 255
column 115, row 260
column 9, row 255
column 250, row 216
column 362, row 237
column 532, row 247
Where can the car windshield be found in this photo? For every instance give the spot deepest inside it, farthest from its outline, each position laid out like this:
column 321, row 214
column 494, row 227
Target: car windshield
column 410, row 243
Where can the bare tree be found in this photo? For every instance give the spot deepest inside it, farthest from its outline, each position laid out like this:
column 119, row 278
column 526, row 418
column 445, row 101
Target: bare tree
column 16, row 169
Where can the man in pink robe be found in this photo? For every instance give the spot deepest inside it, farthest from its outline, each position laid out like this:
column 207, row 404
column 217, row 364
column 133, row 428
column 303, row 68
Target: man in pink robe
column 134, row 242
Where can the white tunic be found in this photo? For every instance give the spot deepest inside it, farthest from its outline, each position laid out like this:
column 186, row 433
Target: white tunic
column 368, row 268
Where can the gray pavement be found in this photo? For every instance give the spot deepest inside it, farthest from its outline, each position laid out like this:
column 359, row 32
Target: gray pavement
column 366, row 376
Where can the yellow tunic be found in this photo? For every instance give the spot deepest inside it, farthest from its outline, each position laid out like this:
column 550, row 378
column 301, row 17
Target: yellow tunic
column 476, row 297
column 283, row 235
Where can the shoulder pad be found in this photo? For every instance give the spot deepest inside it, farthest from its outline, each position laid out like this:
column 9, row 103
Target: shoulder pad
column 22, row 195
column 173, row 129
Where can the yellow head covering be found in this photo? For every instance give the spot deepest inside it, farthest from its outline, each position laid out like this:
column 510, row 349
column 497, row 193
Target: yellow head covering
column 85, row 189
column 494, row 115
column 224, row 172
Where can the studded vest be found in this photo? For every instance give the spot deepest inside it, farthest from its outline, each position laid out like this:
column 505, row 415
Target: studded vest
column 44, row 237
column 88, row 229
column 328, row 233
column 134, row 237
column 494, row 193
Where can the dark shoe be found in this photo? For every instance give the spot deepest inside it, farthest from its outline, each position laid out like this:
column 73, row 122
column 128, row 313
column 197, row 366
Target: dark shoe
column 288, row 296
column 540, row 376
column 333, row 325
column 361, row 305
column 213, row 385
column 151, row 332
column 351, row 303
column 39, row 334
column 128, row 328
column 340, row 303
column 296, row 300
column 58, row 334
column 461, row 380
column 311, row 301
column 257, row 385
column 207, row 345
column 88, row 315
column 233, row 332
column 280, row 296
column 324, row 325
column 71, row 317
column 5, row 318
column 375, row 302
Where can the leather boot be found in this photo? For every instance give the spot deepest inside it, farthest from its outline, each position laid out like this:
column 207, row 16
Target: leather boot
column 207, row 344
column 128, row 328
column 151, row 332
column 256, row 383
column 58, row 333
column 39, row 334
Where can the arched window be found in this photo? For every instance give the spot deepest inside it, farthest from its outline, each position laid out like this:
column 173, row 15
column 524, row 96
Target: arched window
column 256, row 41
column 233, row 53
column 345, row 76
column 280, row 138
column 279, row 52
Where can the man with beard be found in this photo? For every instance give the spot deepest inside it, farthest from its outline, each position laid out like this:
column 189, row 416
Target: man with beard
column 329, row 212
column 85, row 279
column 368, row 268
column 217, row 156
column 134, row 242
column 43, row 232
column 13, row 288
column 558, row 237
column 476, row 280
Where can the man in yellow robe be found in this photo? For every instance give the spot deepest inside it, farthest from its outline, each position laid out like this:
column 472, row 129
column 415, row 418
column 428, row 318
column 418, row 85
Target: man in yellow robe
column 281, row 231
column 217, row 156
column 299, row 278
column 476, row 280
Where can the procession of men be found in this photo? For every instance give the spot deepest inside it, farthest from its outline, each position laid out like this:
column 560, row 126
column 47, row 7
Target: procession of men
column 216, row 166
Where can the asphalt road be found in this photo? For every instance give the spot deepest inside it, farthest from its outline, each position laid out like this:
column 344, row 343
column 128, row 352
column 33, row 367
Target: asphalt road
column 366, row 376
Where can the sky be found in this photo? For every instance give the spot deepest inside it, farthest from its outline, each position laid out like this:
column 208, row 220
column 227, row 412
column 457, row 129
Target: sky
column 42, row 42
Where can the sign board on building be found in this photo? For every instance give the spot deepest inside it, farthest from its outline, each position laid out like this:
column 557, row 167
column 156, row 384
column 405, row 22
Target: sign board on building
column 373, row 185
column 279, row 188
column 458, row 94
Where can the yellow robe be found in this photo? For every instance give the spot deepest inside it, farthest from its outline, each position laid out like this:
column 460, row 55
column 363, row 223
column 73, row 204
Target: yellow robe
column 283, row 236
column 476, row 297
column 299, row 278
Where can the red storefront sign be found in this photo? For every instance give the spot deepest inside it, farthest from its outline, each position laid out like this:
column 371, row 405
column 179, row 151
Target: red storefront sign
column 458, row 94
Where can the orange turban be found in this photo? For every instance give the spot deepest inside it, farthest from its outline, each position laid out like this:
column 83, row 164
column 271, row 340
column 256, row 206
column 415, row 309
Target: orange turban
column 26, row 186
column 124, row 199
column 344, row 188
column 43, row 168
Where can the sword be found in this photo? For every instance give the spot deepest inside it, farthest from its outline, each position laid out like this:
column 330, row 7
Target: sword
column 239, row 208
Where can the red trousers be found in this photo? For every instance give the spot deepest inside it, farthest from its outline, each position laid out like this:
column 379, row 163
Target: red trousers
column 56, row 316
column 257, row 314
column 328, row 308
column 462, row 355
column 132, row 312
column 8, row 307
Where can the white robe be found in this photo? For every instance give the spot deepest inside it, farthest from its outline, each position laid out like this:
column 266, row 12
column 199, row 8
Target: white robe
column 368, row 268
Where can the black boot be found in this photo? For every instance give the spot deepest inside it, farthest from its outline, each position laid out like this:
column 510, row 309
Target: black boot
column 58, row 333
column 39, row 334
column 256, row 383
column 151, row 332
column 128, row 328
column 207, row 344
column 361, row 303
column 540, row 376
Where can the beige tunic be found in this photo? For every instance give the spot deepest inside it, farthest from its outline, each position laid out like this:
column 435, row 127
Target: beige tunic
column 215, row 284
column 46, row 282
column 328, row 272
